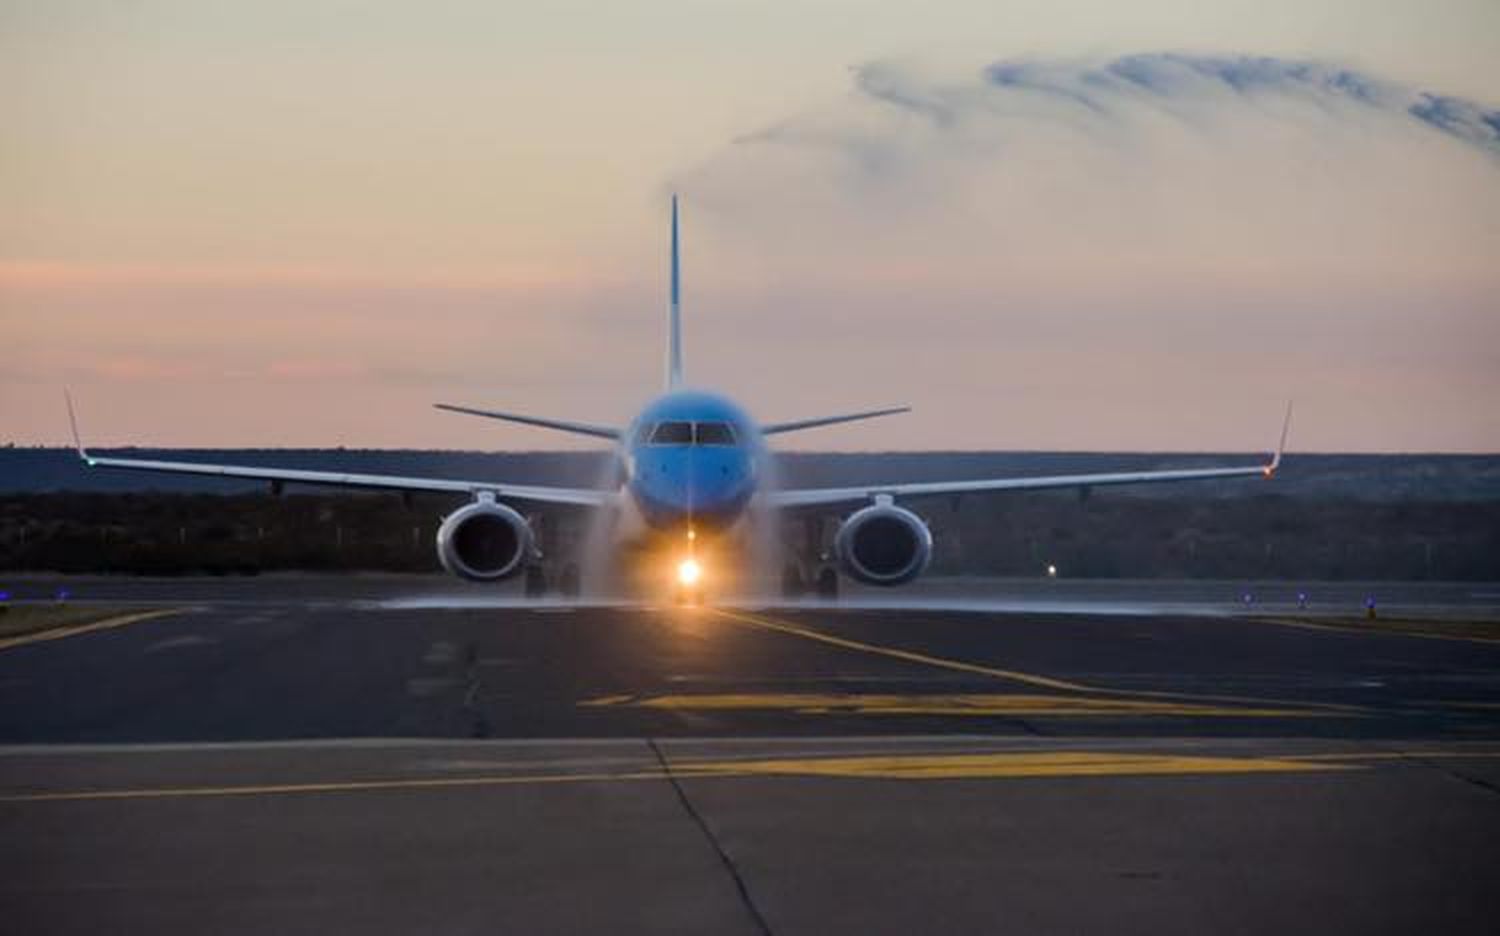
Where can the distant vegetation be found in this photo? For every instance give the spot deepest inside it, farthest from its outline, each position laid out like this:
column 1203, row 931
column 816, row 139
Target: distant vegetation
column 1109, row 534
column 1326, row 516
column 1384, row 478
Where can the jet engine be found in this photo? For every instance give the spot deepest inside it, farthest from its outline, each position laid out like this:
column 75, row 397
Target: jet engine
column 485, row 541
column 883, row 545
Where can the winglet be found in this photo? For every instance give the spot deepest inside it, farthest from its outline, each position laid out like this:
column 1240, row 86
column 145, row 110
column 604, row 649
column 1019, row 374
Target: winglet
column 73, row 423
column 1286, row 426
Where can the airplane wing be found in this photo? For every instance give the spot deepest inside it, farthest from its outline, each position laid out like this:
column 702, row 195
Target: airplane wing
column 578, row 497
column 562, row 425
column 832, row 497
column 774, row 428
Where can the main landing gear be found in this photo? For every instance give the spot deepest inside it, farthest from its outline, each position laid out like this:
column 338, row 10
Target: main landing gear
column 825, row 584
column 569, row 581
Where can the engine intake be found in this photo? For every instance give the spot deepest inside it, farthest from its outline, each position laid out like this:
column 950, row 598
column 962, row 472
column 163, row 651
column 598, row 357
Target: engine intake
column 883, row 545
column 485, row 542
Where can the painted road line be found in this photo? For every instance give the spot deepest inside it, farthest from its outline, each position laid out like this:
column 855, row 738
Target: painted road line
column 909, row 656
column 1369, row 631
column 347, row 786
column 606, row 700
column 58, row 633
column 1050, row 764
column 1395, row 755
column 976, row 704
column 891, row 767
column 1033, row 679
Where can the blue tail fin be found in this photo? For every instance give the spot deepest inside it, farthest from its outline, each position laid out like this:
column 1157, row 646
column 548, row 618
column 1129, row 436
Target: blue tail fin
column 674, row 338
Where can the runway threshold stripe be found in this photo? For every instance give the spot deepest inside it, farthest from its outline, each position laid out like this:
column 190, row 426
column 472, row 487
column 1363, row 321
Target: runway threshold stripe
column 888, row 767
column 1033, row 679
column 58, row 633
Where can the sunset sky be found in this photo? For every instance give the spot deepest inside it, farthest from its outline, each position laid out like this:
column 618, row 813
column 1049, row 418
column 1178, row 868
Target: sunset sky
column 1045, row 225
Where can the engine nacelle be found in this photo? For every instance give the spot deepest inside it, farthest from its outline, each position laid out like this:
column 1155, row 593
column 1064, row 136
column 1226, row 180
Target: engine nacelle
column 883, row 545
column 485, row 541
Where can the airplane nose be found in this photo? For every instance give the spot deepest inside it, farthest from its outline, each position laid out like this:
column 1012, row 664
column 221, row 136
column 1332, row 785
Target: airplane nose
column 716, row 482
column 713, row 485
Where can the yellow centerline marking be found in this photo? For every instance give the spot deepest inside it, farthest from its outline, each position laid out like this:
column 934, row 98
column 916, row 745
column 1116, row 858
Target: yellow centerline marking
column 1392, row 755
column 1033, row 679
column 58, row 633
column 989, row 704
column 908, row 655
column 1045, row 764
column 607, row 700
column 996, row 765
column 1368, row 631
column 342, row 786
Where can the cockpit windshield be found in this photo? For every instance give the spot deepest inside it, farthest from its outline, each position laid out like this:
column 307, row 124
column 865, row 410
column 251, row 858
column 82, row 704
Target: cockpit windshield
column 713, row 433
column 674, row 432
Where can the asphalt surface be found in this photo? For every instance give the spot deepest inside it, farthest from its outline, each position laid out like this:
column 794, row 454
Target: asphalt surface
column 390, row 756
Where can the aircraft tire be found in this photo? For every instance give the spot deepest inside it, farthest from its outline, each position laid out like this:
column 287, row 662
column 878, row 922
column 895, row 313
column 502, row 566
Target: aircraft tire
column 570, row 582
column 828, row 583
column 792, row 584
column 536, row 581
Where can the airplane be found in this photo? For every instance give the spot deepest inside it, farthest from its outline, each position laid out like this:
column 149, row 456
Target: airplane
column 694, row 463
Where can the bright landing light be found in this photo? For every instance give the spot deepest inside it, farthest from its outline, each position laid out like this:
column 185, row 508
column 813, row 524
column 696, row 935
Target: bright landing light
column 689, row 571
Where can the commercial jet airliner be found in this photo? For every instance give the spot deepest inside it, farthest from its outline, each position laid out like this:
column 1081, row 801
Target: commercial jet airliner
column 694, row 474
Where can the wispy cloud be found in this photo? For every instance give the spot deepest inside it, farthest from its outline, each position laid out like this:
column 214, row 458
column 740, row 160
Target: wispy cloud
column 1191, row 89
column 1166, row 232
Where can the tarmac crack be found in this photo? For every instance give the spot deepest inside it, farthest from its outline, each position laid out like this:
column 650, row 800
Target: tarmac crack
column 479, row 723
column 724, row 857
column 1455, row 773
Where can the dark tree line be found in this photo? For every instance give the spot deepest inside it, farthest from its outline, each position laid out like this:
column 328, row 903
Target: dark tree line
column 1104, row 536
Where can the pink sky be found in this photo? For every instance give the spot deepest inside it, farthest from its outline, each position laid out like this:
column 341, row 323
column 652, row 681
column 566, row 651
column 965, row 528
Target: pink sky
column 259, row 228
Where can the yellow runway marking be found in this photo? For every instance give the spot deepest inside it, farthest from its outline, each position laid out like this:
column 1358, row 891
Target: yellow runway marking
column 1033, row 679
column 984, row 704
column 892, row 767
column 907, row 655
column 58, row 633
column 1393, row 755
column 1048, row 764
column 607, row 700
column 1352, row 628
column 349, row 786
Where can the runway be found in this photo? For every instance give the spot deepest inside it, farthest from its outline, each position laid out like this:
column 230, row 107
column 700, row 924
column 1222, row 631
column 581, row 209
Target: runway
column 339, row 755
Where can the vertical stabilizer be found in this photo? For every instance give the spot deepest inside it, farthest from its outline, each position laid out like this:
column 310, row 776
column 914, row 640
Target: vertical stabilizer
column 674, row 338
